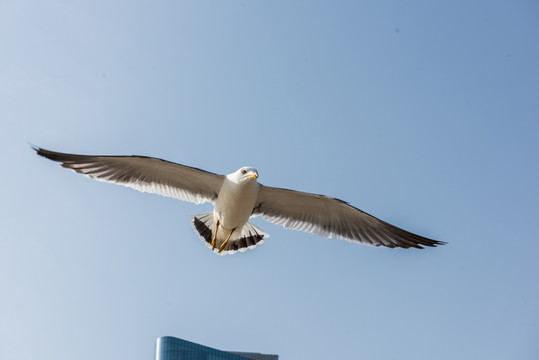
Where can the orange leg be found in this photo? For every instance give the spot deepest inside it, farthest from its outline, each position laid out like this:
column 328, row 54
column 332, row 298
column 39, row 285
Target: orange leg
column 214, row 235
column 223, row 245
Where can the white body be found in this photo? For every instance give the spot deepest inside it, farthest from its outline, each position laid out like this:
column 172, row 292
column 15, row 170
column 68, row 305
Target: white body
column 236, row 200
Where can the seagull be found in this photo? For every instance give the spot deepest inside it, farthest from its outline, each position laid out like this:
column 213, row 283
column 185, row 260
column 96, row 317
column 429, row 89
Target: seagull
column 236, row 198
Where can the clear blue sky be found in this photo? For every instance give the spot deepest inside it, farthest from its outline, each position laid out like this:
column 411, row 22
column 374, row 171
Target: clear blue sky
column 424, row 114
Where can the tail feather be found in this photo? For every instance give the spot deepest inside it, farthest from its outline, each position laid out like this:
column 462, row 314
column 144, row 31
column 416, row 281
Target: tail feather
column 249, row 236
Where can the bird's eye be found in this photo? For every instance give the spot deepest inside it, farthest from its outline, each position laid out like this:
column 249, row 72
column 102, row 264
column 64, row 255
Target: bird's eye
column 243, row 171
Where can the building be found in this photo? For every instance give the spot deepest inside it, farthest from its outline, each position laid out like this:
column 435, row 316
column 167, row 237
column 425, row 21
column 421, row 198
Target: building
column 171, row 348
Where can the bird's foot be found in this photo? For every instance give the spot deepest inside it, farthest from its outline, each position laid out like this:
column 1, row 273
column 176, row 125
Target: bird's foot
column 214, row 240
column 223, row 245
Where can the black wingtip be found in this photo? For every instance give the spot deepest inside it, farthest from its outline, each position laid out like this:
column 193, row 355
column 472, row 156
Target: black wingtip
column 430, row 243
column 39, row 150
column 438, row 243
column 42, row 152
column 52, row 155
column 34, row 147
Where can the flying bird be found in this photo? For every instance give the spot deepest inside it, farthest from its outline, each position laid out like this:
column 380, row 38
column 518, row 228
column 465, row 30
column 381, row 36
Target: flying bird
column 236, row 198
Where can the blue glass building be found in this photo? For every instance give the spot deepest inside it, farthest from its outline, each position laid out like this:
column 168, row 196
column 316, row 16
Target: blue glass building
column 171, row 348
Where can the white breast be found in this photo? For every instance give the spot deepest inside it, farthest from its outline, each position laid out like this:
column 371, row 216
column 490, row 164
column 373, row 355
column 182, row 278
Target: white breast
column 235, row 203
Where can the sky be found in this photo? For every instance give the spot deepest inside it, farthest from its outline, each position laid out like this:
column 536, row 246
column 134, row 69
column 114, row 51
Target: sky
column 424, row 114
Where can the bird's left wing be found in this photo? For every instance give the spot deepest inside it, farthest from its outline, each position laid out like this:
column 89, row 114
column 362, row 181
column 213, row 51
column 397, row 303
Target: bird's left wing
column 332, row 218
column 145, row 174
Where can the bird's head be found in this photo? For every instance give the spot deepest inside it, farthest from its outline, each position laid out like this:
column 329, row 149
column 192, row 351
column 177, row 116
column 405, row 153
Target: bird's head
column 245, row 174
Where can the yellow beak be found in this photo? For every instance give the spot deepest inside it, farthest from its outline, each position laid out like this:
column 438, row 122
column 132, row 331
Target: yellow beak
column 253, row 175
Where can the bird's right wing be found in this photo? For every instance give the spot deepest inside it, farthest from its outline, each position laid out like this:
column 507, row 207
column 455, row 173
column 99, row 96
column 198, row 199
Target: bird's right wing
column 145, row 174
column 332, row 218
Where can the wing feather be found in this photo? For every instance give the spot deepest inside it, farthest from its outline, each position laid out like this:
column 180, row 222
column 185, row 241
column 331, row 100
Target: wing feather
column 332, row 218
column 145, row 174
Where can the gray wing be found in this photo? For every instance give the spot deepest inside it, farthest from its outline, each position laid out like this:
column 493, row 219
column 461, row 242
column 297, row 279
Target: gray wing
column 145, row 174
column 332, row 218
